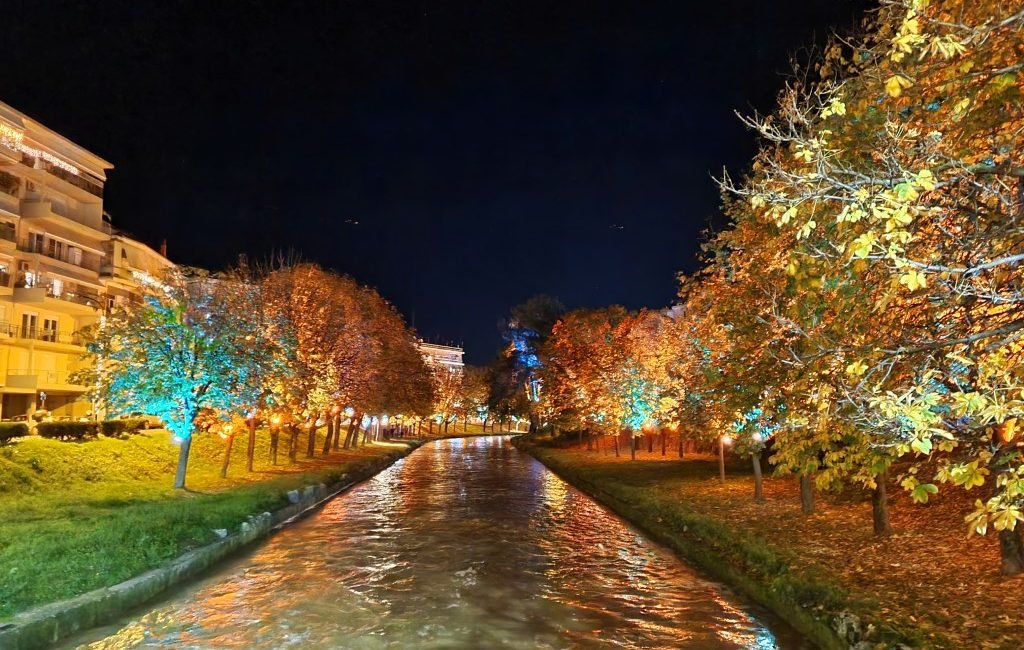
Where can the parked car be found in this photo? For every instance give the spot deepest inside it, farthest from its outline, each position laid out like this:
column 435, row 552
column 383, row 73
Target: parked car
column 152, row 421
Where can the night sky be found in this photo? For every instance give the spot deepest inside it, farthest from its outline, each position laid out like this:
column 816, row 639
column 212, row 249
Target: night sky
column 458, row 156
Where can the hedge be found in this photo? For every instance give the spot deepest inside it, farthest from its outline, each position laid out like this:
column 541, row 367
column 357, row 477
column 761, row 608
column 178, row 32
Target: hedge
column 122, row 426
column 10, row 430
column 66, row 430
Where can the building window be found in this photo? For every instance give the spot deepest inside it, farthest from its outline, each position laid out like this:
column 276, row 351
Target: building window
column 35, row 242
column 75, row 255
column 49, row 329
column 55, row 249
column 57, row 288
column 28, row 326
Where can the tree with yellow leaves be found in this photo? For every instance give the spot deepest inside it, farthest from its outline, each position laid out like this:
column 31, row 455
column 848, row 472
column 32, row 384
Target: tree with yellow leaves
column 900, row 176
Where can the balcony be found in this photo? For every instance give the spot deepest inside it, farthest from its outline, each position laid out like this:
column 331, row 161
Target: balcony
column 80, row 180
column 40, row 334
column 34, row 292
column 65, row 256
column 32, row 379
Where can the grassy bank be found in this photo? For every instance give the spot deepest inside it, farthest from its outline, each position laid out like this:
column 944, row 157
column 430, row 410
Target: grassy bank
column 78, row 516
column 926, row 586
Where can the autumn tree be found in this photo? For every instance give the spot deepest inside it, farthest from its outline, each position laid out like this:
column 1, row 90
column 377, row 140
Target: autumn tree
column 899, row 174
column 184, row 350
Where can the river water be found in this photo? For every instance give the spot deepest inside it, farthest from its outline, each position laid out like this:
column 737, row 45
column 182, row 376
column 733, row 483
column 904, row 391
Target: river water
column 466, row 543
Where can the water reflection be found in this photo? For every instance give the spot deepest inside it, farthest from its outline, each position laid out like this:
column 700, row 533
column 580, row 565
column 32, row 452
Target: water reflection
column 467, row 543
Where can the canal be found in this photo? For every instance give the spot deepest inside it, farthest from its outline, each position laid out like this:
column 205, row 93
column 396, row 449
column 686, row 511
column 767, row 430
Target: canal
column 466, row 543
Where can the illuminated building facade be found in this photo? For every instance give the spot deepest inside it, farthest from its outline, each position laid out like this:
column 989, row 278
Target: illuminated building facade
column 446, row 356
column 61, row 264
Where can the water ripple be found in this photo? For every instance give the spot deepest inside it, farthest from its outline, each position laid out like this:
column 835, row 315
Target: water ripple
column 467, row 543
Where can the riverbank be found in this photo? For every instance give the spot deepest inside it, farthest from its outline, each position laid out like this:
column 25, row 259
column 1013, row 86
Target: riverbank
column 81, row 516
column 926, row 586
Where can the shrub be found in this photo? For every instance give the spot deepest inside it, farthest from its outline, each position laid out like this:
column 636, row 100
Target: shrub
column 122, row 426
column 66, row 430
column 10, row 430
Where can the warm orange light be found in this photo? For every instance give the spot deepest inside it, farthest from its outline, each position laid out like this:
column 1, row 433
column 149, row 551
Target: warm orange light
column 275, row 420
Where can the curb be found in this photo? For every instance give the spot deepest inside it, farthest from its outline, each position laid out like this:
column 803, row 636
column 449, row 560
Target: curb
column 45, row 625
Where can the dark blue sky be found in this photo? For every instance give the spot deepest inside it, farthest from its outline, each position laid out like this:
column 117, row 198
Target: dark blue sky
column 488, row 150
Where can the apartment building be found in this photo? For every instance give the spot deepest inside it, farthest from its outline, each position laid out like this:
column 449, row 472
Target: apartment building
column 61, row 264
column 446, row 356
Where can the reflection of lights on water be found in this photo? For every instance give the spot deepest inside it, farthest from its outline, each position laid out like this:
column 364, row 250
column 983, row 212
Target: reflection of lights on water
column 556, row 492
column 472, row 502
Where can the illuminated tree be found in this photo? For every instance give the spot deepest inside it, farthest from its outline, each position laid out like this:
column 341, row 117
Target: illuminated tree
column 899, row 174
column 475, row 393
column 579, row 359
column 525, row 331
column 183, row 351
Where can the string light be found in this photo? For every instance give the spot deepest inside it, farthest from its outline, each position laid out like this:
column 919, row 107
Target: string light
column 15, row 139
column 10, row 137
column 50, row 158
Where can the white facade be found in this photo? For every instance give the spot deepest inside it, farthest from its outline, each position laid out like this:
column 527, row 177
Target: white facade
column 442, row 355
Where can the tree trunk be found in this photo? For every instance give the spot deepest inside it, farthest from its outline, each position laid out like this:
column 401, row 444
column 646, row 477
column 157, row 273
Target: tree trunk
column 330, row 435
column 227, row 455
column 250, row 451
column 682, row 446
column 721, row 459
column 758, row 479
column 275, row 438
column 1011, row 551
column 179, row 476
column 806, row 494
column 880, row 505
column 632, row 446
column 353, row 428
column 580, row 437
column 590, row 442
column 446, row 426
column 336, row 443
column 664, row 443
column 616, row 445
column 311, row 443
column 293, row 442
column 650, row 444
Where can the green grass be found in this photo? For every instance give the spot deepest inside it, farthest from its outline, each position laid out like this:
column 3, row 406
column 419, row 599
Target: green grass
column 79, row 516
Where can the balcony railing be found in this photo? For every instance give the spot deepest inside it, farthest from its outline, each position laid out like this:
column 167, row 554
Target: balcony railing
column 78, row 180
column 77, row 297
column 65, row 257
column 40, row 334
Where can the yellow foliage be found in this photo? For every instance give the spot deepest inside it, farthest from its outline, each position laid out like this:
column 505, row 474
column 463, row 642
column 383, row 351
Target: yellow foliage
column 895, row 84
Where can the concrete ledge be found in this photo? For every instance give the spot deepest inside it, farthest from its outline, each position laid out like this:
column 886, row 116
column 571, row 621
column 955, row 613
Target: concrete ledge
column 45, row 625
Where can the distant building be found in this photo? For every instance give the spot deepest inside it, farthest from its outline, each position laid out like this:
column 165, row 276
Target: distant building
column 61, row 264
column 447, row 356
